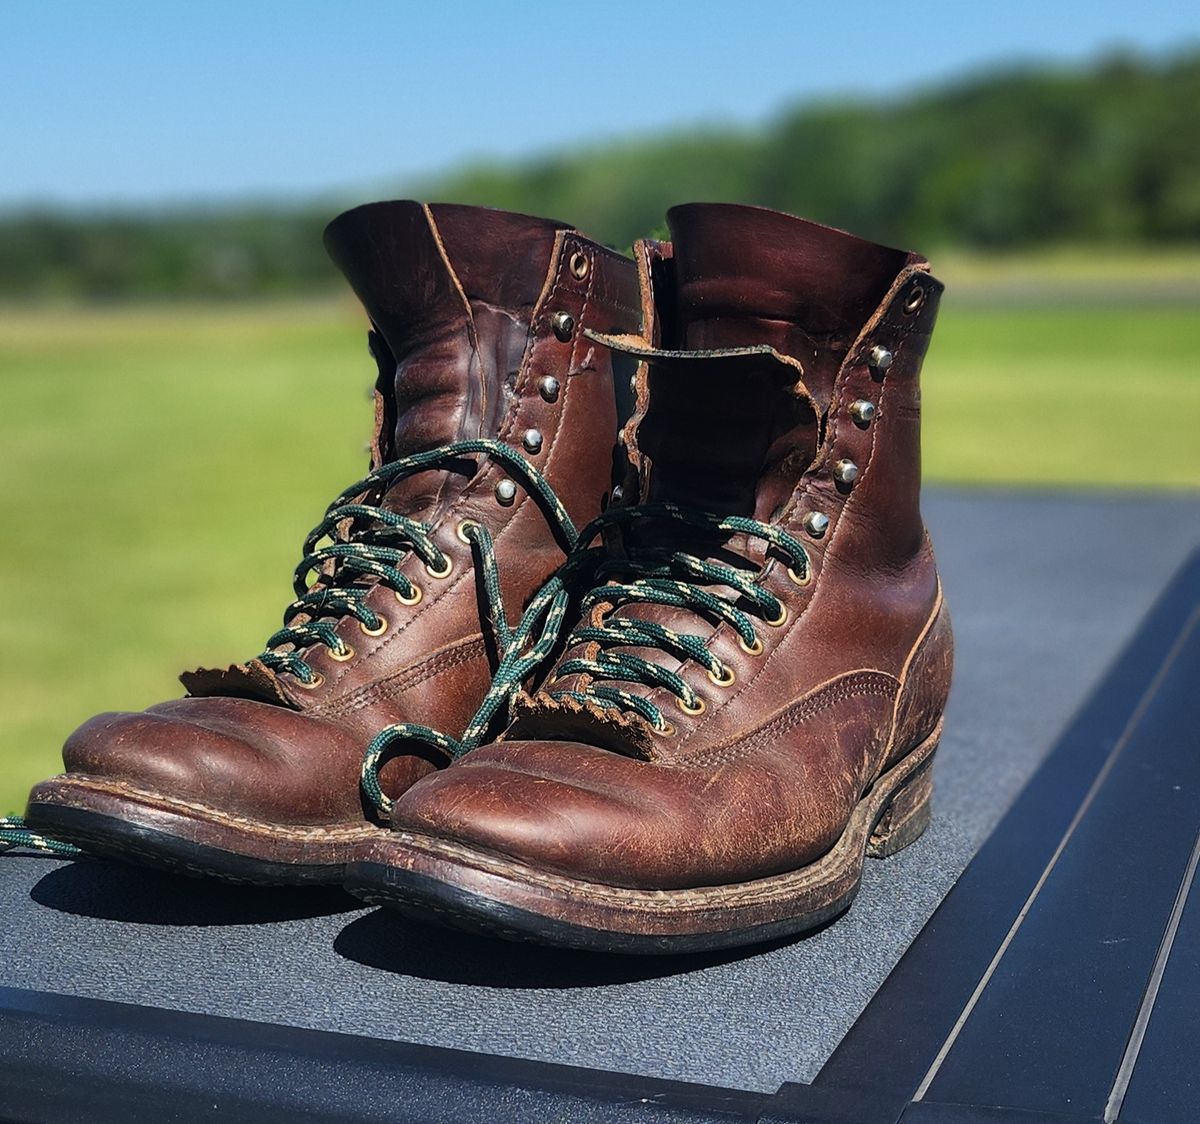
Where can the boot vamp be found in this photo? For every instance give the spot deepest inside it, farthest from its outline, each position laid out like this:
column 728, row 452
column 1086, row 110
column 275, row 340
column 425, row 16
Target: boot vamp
column 244, row 757
column 772, row 801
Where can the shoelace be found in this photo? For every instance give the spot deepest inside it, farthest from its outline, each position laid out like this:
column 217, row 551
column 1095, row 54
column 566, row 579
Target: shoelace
column 14, row 833
column 650, row 577
column 677, row 579
column 353, row 552
column 357, row 541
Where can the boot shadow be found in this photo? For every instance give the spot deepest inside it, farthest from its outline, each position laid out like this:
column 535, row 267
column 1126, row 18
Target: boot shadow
column 389, row 942
column 144, row 896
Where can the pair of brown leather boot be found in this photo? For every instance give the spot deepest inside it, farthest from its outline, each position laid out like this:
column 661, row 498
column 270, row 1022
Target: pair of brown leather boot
column 646, row 691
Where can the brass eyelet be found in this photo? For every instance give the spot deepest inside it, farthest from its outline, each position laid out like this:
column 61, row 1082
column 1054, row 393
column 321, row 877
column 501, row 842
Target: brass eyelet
column 413, row 599
column 579, row 265
column 440, row 573
column 317, row 680
column 797, row 579
column 665, row 731
column 916, row 298
column 783, row 616
column 461, row 529
column 726, row 679
column 755, row 649
column 347, row 653
column 378, row 630
column 699, row 708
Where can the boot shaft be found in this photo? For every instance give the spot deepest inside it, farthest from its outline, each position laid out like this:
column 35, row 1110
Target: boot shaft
column 785, row 433
column 477, row 320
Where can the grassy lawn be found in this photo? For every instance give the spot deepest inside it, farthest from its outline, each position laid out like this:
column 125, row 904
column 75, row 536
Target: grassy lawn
column 159, row 467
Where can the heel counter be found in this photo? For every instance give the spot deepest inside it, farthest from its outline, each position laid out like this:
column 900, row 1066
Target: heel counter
column 924, row 684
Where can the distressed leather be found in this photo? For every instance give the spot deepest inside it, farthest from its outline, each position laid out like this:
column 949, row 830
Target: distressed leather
column 460, row 301
column 856, row 677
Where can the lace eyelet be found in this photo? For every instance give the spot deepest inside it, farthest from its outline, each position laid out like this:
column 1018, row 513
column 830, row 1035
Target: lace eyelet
column 440, row 573
column 461, row 529
column 347, row 653
column 412, row 599
column 797, row 579
column 779, row 620
column 317, row 680
column 579, row 265
column 700, row 707
column 755, row 649
column 666, row 730
column 725, row 680
column 378, row 630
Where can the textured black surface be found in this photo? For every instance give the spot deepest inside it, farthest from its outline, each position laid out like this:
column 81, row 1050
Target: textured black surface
column 1043, row 591
column 1050, row 984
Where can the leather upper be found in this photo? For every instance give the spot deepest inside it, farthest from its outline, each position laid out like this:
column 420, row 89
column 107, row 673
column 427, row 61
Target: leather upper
column 762, row 339
column 462, row 302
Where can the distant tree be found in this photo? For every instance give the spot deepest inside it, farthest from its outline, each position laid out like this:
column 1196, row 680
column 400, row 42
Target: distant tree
column 1017, row 157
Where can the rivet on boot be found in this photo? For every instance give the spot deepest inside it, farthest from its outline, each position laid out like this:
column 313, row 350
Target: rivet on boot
column 863, row 412
column 532, row 440
column 880, row 357
column 506, row 493
column 548, row 387
column 845, row 472
column 563, row 324
column 816, row 523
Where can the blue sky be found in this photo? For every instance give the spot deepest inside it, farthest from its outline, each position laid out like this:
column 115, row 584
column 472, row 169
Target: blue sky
column 166, row 101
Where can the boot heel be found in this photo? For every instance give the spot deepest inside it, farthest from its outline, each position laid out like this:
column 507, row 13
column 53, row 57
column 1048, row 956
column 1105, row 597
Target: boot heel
column 907, row 816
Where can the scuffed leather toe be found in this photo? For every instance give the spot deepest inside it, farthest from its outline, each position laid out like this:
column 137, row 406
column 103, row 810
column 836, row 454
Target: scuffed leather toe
column 244, row 757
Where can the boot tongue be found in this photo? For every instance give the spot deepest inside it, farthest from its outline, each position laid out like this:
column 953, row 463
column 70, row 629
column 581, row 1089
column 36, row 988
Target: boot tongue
column 735, row 437
column 451, row 292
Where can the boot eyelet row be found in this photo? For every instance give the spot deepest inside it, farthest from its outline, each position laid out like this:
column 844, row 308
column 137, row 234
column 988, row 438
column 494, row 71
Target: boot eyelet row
column 725, row 678
column 444, row 572
column 413, row 598
column 700, row 707
column 378, row 630
column 317, row 680
column 755, row 649
column 778, row 621
column 461, row 530
column 665, row 731
column 344, row 656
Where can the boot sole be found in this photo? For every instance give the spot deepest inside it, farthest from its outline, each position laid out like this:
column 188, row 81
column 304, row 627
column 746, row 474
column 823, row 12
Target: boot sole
column 113, row 820
column 486, row 893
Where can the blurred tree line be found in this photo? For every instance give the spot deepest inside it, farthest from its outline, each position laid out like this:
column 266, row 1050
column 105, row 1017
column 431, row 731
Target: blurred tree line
column 1009, row 159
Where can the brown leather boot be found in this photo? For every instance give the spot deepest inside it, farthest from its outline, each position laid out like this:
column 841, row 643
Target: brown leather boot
column 486, row 380
column 752, row 700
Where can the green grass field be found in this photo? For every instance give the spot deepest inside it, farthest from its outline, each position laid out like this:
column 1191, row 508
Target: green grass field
column 159, row 467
